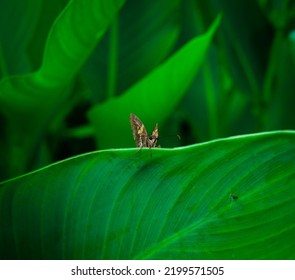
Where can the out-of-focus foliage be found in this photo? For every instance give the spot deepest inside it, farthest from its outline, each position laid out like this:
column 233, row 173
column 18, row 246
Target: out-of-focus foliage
column 62, row 61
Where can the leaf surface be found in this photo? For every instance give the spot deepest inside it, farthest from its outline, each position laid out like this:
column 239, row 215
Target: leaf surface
column 226, row 199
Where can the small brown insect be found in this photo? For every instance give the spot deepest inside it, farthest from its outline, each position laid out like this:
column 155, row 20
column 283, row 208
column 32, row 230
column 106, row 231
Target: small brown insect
column 142, row 139
column 233, row 197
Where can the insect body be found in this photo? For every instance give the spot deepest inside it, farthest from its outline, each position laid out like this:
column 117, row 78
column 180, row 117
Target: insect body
column 142, row 139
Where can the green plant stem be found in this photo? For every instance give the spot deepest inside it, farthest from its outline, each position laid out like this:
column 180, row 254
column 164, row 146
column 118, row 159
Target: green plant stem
column 250, row 75
column 211, row 102
column 271, row 69
column 268, row 87
column 3, row 67
column 113, row 59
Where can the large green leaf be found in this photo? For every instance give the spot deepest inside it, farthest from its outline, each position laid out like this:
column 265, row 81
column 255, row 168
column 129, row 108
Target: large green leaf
column 30, row 101
column 226, row 199
column 154, row 97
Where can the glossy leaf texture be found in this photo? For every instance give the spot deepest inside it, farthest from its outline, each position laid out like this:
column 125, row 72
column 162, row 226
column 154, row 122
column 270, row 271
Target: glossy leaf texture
column 231, row 198
column 154, row 97
column 36, row 97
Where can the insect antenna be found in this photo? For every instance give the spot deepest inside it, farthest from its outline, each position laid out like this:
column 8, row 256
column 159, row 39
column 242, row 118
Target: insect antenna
column 171, row 135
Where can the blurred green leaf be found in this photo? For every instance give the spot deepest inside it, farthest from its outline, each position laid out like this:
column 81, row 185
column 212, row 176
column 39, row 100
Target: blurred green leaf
column 154, row 97
column 18, row 20
column 141, row 38
column 280, row 81
column 281, row 13
column 291, row 41
column 225, row 199
column 35, row 98
column 244, row 41
column 47, row 14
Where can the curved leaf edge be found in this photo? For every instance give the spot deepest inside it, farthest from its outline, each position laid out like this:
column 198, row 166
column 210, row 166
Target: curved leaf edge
column 159, row 151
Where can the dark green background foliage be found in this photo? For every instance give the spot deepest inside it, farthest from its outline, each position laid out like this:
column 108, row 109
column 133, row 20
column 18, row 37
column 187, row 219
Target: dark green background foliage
column 71, row 72
column 56, row 78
